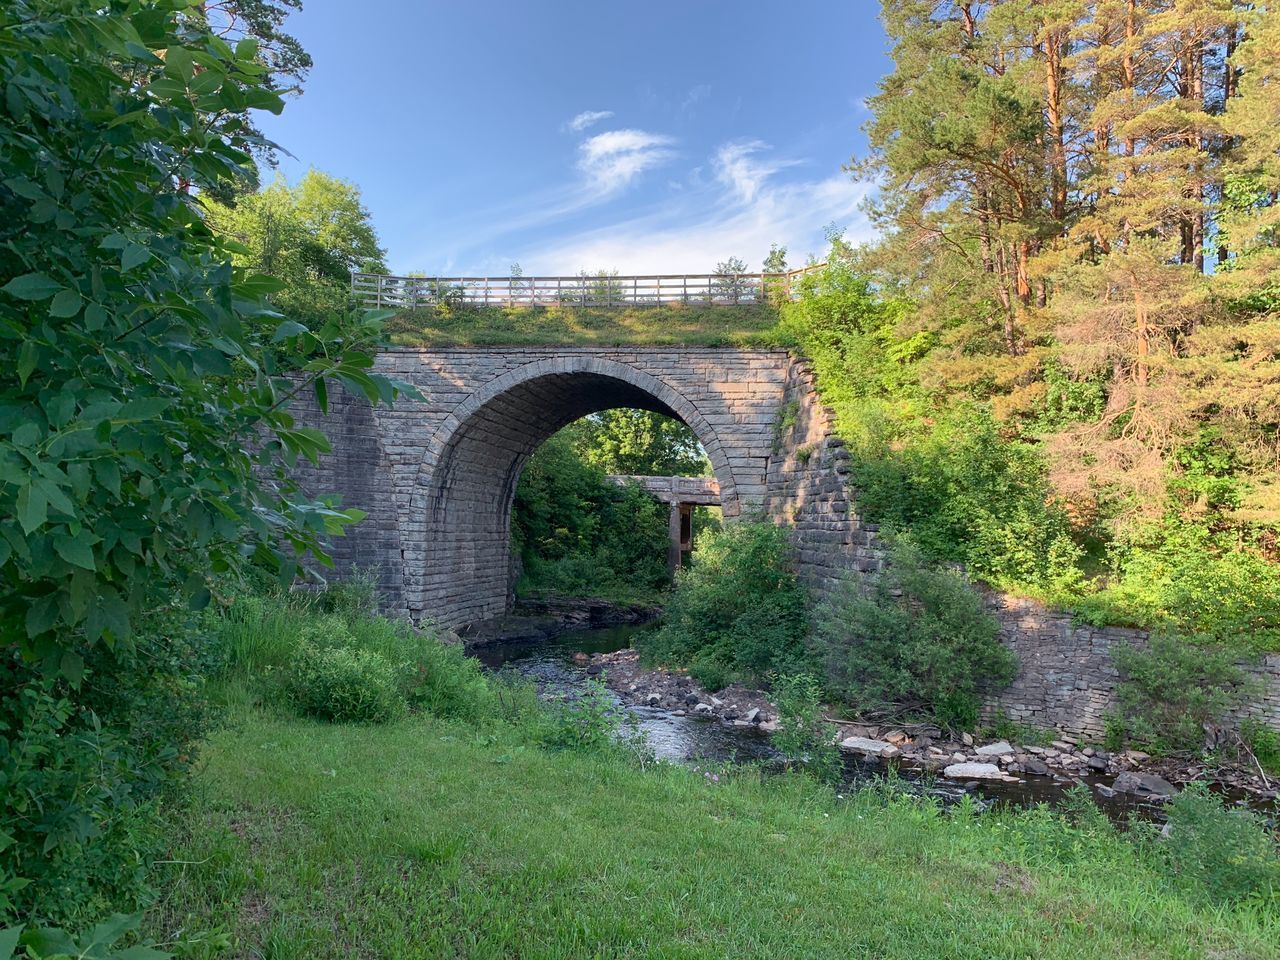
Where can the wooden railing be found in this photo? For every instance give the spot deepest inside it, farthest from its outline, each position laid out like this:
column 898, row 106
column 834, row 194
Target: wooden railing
column 379, row 290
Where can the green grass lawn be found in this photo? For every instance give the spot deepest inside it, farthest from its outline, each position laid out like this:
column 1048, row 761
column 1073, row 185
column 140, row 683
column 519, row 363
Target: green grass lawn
column 438, row 839
column 693, row 324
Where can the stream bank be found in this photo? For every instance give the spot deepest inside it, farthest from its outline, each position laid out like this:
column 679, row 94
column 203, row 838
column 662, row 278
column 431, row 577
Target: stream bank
column 1031, row 772
column 684, row 722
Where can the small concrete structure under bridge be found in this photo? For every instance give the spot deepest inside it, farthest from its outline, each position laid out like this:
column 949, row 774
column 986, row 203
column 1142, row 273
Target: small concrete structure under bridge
column 682, row 494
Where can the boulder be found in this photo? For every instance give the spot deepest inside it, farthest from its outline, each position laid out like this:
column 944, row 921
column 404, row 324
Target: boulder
column 1038, row 767
column 997, row 749
column 973, row 771
column 752, row 715
column 702, row 710
column 869, row 748
column 1143, row 785
column 653, row 699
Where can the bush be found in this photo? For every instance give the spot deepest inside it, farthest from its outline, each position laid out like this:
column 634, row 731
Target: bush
column 738, row 607
column 345, row 685
column 258, row 637
column 711, row 676
column 1224, row 854
column 966, row 494
column 591, row 721
column 1183, row 580
column 83, row 768
column 579, row 535
column 802, row 734
column 1263, row 742
column 921, row 641
column 1172, row 689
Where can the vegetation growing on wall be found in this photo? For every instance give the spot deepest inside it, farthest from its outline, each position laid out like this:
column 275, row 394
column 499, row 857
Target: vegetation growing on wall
column 666, row 325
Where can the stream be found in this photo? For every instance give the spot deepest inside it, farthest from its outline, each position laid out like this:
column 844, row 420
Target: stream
column 550, row 664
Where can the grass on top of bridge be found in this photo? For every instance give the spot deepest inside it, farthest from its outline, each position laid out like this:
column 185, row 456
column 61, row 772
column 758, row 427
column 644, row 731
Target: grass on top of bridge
column 666, row 325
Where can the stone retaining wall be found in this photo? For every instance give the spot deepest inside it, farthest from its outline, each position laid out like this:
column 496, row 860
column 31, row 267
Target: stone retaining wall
column 1066, row 679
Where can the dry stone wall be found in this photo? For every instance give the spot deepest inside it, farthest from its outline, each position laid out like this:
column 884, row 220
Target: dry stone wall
column 1066, row 679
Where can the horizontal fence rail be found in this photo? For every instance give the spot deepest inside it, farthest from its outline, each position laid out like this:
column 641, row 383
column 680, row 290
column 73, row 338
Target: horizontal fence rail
column 380, row 290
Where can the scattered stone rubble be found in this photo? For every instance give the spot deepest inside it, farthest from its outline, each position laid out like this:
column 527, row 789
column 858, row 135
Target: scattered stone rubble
column 676, row 691
column 923, row 746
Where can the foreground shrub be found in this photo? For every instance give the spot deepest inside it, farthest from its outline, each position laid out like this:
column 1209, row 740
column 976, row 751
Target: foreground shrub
column 1172, row 689
column 738, row 606
column 146, row 442
column 345, row 685
column 920, row 642
column 83, row 768
column 1223, row 854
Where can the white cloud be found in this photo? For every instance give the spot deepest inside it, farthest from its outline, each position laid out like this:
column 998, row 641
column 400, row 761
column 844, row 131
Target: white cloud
column 698, row 229
column 738, row 168
column 586, row 119
column 612, row 160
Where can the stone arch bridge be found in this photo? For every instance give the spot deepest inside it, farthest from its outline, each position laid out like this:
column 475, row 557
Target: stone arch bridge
column 437, row 476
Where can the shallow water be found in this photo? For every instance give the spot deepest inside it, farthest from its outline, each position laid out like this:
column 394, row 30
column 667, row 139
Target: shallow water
column 550, row 664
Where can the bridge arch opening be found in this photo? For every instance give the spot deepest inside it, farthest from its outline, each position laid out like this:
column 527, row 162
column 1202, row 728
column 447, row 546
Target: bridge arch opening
column 462, row 570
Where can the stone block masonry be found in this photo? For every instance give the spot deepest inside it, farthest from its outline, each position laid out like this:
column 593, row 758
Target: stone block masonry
column 437, row 478
column 437, row 475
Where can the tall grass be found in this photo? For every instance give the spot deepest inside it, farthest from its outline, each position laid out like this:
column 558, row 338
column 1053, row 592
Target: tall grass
column 261, row 640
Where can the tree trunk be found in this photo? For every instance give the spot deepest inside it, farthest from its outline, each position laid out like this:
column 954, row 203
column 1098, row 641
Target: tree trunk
column 1053, row 48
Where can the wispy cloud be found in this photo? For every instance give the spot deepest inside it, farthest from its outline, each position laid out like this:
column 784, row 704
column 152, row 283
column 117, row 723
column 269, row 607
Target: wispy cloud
column 587, row 118
column 739, row 169
column 695, row 96
column 613, row 159
column 696, row 229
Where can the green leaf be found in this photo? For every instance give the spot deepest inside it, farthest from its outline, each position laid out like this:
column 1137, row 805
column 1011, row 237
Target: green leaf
column 27, row 435
column 42, row 614
column 179, row 63
column 108, row 474
column 322, row 395
column 81, row 591
column 95, row 317
column 76, row 550
column 72, row 667
column 32, row 286
column 65, row 304
column 9, row 939
column 28, row 354
column 148, row 408
column 290, row 328
column 33, row 508
column 133, row 255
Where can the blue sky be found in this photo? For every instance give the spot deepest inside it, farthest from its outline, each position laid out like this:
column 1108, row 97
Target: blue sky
column 637, row 136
